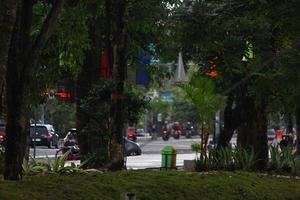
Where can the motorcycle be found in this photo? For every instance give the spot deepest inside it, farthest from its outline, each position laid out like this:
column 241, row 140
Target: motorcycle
column 188, row 133
column 70, row 144
column 176, row 134
column 165, row 135
column 74, row 152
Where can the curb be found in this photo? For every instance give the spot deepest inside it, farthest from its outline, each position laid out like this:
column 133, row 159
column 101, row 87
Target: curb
column 178, row 151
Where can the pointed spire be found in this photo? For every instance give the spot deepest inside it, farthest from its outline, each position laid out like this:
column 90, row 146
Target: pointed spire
column 180, row 73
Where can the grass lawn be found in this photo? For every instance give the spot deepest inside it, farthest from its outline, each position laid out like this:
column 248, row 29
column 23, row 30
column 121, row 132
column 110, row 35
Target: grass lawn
column 151, row 185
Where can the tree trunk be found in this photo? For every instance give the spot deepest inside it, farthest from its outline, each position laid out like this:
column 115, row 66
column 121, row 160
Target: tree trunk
column 91, row 143
column 261, row 139
column 253, row 131
column 119, row 45
column 16, row 121
column 16, row 129
column 298, row 126
column 8, row 10
column 230, row 123
column 289, row 123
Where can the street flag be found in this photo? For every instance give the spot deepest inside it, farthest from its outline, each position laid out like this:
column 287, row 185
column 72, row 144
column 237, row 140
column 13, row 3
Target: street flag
column 142, row 74
column 180, row 73
column 104, row 65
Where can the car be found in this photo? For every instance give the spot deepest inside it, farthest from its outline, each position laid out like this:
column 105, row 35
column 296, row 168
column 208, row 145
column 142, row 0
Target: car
column 2, row 134
column 140, row 132
column 271, row 134
column 131, row 133
column 43, row 135
column 132, row 148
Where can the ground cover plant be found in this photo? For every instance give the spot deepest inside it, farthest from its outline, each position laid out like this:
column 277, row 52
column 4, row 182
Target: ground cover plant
column 150, row 185
column 281, row 161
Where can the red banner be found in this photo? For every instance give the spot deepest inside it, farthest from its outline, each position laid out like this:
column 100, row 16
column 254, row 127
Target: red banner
column 104, row 65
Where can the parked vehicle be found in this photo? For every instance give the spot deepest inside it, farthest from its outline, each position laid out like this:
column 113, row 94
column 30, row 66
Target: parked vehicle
column 43, row 135
column 2, row 134
column 271, row 134
column 140, row 132
column 131, row 133
column 132, row 148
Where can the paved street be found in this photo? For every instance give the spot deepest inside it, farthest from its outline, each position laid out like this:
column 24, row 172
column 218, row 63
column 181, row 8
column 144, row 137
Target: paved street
column 43, row 151
column 151, row 152
column 183, row 145
column 154, row 160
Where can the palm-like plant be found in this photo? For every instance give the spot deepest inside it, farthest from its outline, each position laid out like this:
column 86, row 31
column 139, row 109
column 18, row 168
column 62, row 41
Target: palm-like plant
column 201, row 92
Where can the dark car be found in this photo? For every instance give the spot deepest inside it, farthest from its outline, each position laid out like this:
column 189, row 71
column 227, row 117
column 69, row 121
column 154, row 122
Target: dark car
column 132, row 148
column 43, row 135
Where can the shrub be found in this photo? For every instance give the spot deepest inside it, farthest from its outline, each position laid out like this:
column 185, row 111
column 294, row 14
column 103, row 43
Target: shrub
column 244, row 158
column 196, row 147
column 57, row 165
column 282, row 161
column 295, row 167
column 275, row 162
column 225, row 159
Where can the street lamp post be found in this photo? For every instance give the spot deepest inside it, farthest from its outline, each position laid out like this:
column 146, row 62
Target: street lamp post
column 34, row 134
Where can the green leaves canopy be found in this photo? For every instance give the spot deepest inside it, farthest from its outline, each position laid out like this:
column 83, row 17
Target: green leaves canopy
column 201, row 92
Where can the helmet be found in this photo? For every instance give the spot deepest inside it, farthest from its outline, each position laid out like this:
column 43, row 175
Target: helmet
column 72, row 130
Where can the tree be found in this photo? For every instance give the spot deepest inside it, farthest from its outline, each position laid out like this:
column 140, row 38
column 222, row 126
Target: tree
column 8, row 10
column 97, row 126
column 118, row 25
column 245, row 36
column 201, row 92
column 23, row 57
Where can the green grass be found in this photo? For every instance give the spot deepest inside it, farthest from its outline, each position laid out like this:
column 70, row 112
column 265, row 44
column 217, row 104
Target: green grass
column 151, row 185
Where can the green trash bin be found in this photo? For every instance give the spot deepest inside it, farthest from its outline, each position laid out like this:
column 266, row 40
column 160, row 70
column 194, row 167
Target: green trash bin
column 168, row 157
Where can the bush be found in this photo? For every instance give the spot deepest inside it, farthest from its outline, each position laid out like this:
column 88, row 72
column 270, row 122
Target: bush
column 244, row 158
column 58, row 165
column 281, row 160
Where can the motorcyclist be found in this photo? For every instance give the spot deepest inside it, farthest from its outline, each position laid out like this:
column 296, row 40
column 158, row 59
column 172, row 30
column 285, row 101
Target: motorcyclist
column 71, row 138
column 188, row 129
column 71, row 144
column 176, row 127
column 165, row 130
column 176, row 130
column 188, row 126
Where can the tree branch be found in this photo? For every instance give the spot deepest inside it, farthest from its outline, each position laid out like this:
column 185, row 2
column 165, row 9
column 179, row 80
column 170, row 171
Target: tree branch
column 40, row 41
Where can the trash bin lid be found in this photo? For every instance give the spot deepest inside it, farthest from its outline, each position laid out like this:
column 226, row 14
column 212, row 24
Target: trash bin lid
column 168, row 150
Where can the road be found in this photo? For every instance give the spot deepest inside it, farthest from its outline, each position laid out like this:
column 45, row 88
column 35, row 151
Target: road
column 148, row 146
column 151, row 152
